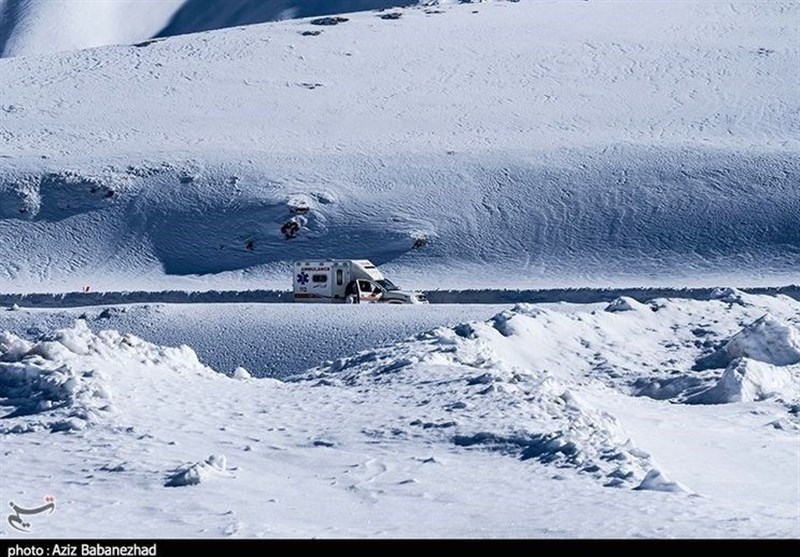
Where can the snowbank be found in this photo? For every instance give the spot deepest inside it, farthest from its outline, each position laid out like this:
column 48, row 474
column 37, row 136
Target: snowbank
column 760, row 362
column 624, row 303
column 766, row 340
column 728, row 295
column 747, row 380
column 657, row 481
column 45, row 385
column 484, row 400
column 58, row 382
column 241, row 373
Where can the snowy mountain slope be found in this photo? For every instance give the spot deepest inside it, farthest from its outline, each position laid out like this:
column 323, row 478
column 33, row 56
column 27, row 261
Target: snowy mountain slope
column 35, row 27
column 139, row 440
column 647, row 146
column 204, row 15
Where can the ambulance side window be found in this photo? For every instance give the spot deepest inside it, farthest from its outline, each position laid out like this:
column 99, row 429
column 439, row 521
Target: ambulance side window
column 364, row 286
column 319, row 278
column 339, row 277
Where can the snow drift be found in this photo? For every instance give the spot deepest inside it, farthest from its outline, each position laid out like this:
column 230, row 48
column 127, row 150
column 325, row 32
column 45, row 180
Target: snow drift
column 746, row 380
column 766, row 340
column 760, row 362
column 193, row 474
column 58, row 382
column 204, row 15
column 111, row 232
column 461, row 383
column 45, row 386
column 453, row 381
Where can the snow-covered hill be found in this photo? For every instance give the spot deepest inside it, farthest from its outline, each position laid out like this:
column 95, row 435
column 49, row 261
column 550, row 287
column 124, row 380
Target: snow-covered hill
column 573, row 144
column 205, row 15
column 35, row 27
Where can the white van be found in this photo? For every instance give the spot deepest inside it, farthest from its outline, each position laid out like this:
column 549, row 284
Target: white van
column 348, row 281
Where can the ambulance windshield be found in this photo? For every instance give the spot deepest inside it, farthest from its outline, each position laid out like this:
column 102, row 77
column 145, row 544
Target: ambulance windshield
column 387, row 284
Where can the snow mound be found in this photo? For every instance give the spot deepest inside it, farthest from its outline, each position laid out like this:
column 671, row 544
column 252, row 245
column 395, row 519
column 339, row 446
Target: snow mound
column 215, row 466
column 728, row 295
column 748, row 380
column 57, row 382
column 624, row 303
column 46, row 386
column 657, row 481
column 766, row 340
column 241, row 373
column 463, row 384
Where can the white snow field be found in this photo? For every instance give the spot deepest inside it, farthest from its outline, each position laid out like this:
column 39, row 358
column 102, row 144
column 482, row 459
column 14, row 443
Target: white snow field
column 524, row 425
column 499, row 146
column 524, row 144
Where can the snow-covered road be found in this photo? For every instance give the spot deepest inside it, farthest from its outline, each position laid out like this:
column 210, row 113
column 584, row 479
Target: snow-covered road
column 267, row 339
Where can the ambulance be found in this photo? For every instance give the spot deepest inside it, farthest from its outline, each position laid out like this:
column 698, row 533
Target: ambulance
column 348, row 281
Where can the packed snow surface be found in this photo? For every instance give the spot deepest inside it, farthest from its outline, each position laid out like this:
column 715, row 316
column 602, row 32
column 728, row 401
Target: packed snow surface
column 546, row 412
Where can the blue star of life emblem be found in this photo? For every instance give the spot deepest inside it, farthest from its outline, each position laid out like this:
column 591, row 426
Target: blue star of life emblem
column 302, row 278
